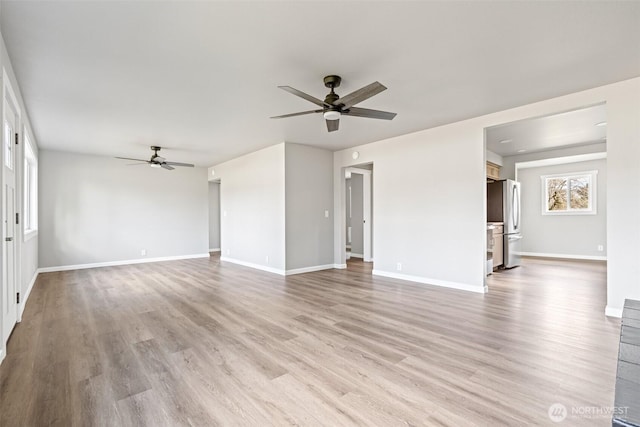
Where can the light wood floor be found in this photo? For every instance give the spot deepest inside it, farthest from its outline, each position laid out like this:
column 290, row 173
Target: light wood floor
column 203, row 342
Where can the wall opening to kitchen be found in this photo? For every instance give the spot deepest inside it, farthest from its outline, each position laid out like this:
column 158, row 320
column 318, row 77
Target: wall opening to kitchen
column 558, row 163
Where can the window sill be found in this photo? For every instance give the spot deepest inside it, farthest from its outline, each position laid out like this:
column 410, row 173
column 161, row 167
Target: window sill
column 28, row 235
column 578, row 213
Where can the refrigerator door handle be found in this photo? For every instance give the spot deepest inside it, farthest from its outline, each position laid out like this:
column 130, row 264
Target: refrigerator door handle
column 515, row 208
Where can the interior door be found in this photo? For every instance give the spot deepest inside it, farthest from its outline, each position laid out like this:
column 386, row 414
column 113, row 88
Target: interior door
column 9, row 285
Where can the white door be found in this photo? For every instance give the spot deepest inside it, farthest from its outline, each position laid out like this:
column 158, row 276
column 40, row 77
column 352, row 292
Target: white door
column 9, row 288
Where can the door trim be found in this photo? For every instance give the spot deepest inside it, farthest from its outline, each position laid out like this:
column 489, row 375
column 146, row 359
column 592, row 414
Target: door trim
column 367, row 211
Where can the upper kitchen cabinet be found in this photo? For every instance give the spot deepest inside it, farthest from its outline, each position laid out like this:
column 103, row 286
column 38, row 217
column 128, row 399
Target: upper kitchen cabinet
column 493, row 171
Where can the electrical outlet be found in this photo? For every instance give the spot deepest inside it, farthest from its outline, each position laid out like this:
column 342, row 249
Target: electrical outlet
column 267, row 259
column 399, row 266
column 600, row 248
column 326, row 214
column 143, row 252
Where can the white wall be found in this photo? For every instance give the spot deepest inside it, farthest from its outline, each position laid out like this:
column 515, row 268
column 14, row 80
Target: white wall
column 573, row 236
column 623, row 197
column 252, row 200
column 214, row 215
column 308, row 194
column 428, row 205
column 275, row 201
column 495, row 158
column 27, row 258
column 429, row 191
column 96, row 209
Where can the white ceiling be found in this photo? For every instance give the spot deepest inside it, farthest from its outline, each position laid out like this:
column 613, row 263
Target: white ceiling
column 579, row 127
column 200, row 78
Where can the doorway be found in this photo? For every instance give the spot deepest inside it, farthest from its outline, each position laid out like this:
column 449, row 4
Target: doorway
column 214, row 216
column 559, row 161
column 359, row 213
column 11, row 119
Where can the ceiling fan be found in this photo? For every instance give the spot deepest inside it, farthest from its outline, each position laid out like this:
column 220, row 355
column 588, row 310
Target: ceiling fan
column 334, row 106
column 158, row 162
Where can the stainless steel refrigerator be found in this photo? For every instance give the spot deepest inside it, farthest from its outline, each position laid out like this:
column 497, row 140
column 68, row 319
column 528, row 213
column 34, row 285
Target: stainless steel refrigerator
column 503, row 205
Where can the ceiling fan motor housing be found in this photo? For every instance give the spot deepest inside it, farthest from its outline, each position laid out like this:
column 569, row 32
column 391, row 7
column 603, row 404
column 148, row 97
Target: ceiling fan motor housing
column 333, row 112
column 332, row 81
column 155, row 149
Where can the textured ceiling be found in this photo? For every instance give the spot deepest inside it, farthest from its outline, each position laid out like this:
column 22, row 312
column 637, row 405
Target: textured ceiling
column 200, row 78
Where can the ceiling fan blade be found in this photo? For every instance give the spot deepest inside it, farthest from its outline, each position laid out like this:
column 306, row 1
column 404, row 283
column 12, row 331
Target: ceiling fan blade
column 137, row 164
column 372, row 114
column 188, row 165
column 360, row 95
column 166, row 166
column 297, row 114
column 135, row 160
column 303, row 95
column 332, row 125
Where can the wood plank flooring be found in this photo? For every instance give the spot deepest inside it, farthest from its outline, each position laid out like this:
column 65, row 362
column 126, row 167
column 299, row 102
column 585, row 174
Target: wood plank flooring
column 202, row 342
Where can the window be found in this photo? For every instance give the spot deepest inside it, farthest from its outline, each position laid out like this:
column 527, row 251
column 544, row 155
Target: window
column 30, row 189
column 8, row 145
column 569, row 193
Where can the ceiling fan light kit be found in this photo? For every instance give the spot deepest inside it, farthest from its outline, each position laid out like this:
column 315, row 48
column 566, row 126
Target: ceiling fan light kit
column 332, row 115
column 334, row 106
column 156, row 161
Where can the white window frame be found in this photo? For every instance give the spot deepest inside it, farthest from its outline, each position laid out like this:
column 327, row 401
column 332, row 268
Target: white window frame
column 593, row 185
column 30, row 190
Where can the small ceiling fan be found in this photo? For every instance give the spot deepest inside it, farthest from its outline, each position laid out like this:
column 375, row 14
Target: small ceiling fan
column 334, row 106
column 158, row 162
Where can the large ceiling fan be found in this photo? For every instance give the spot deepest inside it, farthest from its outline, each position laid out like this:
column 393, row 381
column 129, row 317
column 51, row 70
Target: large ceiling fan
column 334, row 106
column 158, row 162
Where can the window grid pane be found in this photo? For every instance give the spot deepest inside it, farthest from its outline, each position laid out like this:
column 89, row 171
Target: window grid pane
column 556, row 194
column 8, row 148
column 579, row 192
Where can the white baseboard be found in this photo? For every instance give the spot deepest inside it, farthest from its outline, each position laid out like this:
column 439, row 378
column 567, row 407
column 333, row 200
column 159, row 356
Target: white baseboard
column 214, row 249
column 277, row 270
column 309, row 269
column 123, row 262
column 340, row 266
column 252, row 265
column 565, row 256
column 434, row 282
column 353, row 255
column 613, row 312
column 25, row 297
